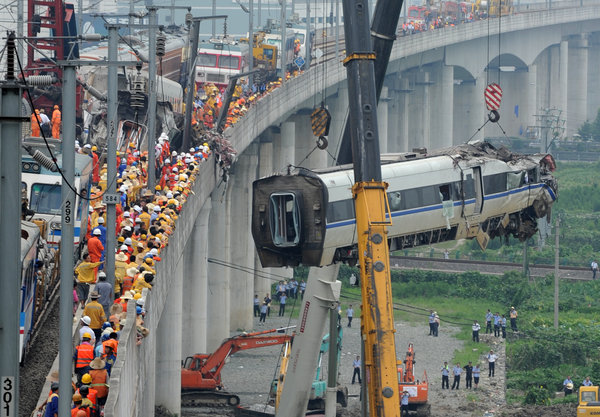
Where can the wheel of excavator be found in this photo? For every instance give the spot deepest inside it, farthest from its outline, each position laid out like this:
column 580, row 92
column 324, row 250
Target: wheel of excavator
column 233, row 400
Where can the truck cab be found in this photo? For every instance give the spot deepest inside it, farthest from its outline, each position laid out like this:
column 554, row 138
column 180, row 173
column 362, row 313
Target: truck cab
column 589, row 404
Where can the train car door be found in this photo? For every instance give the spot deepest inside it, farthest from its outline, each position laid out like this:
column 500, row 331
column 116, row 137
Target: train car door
column 472, row 191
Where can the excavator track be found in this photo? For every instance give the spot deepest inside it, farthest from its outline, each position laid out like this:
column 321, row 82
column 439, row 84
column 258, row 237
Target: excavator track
column 209, row 399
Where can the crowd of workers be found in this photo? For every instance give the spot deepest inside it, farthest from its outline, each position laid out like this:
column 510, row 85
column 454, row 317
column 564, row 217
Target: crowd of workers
column 144, row 221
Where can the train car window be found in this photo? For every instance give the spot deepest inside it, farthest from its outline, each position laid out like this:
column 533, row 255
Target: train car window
column 445, row 192
column 206, row 60
column 493, row 184
column 229, row 61
column 340, row 210
column 514, row 180
column 395, row 199
column 532, row 175
column 429, row 196
column 469, row 187
column 412, row 198
column 285, row 219
column 45, row 198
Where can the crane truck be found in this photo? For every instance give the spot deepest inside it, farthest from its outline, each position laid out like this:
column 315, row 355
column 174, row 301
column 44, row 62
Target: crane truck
column 201, row 382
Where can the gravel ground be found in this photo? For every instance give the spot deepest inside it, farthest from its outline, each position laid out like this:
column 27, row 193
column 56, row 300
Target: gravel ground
column 249, row 375
column 38, row 363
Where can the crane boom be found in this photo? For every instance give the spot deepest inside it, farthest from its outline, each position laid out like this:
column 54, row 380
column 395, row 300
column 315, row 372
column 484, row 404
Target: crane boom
column 372, row 216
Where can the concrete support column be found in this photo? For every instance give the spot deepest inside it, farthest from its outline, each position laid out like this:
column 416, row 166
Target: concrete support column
column 532, row 84
column 286, row 153
column 218, row 276
column 262, row 283
column 477, row 109
column 168, row 346
column 420, row 108
column 239, row 195
column 578, row 84
column 382, row 120
column 195, row 280
column 404, row 107
column 593, row 79
column 554, row 70
column 564, row 80
column 443, row 121
column 338, row 108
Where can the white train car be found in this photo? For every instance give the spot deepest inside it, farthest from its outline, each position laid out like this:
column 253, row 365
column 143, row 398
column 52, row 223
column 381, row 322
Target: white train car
column 462, row 192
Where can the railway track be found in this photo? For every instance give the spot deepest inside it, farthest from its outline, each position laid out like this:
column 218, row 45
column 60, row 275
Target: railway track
column 492, row 268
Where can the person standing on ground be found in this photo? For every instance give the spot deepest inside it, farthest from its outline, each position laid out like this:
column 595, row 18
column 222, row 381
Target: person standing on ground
column 436, row 324
column 256, row 306
column 445, row 373
column 469, row 375
column 488, row 320
column 263, row 314
column 497, row 324
column 105, row 290
column 56, row 116
column 350, row 315
column 593, row 265
column 52, row 401
column 83, row 356
column 456, row 371
column 86, row 275
column 267, row 301
column 95, row 311
column 491, row 357
column 431, row 322
column 503, row 326
column 476, row 374
column 356, row 373
column 476, row 327
column 404, row 404
column 568, row 385
column 513, row 319
column 282, row 301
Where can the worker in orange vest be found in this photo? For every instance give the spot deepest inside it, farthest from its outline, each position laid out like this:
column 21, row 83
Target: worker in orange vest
column 35, row 123
column 99, row 379
column 56, row 118
column 84, row 354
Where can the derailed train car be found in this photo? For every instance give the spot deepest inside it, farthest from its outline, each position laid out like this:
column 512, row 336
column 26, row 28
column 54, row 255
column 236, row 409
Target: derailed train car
column 467, row 191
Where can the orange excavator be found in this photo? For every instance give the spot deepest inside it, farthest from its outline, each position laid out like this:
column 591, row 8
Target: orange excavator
column 418, row 390
column 201, row 383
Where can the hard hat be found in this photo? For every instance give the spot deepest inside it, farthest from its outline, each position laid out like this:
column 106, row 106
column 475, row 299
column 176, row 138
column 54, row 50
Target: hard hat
column 94, row 148
column 106, row 325
column 149, row 261
column 121, row 239
column 77, row 397
column 86, row 335
column 158, row 188
column 137, row 296
column 56, row 106
column 123, row 248
column 100, row 220
column 86, row 320
column 126, row 214
column 128, row 241
column 101, row 274
column 86, row 379
column 96, row 232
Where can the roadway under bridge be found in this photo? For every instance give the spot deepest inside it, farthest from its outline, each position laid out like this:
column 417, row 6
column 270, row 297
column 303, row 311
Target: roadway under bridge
column 433, row 97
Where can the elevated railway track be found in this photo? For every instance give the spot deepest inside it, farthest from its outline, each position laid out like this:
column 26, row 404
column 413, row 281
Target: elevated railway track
column 491, row 268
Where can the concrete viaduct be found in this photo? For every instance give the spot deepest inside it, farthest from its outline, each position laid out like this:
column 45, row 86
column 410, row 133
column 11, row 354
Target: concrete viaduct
column 433, row 97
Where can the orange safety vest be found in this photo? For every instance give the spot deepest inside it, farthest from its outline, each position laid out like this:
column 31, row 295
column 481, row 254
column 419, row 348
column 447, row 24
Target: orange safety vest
column 99, row 381
column 85, row 354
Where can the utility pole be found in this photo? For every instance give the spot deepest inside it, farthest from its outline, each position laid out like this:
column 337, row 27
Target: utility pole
column 191, row 82
column 69, row 211
column 10, row 233
column 283, row 43
column 153, row 21
column 556, row 271
column 111, row 154
column 332, row 365
column 251, row 41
